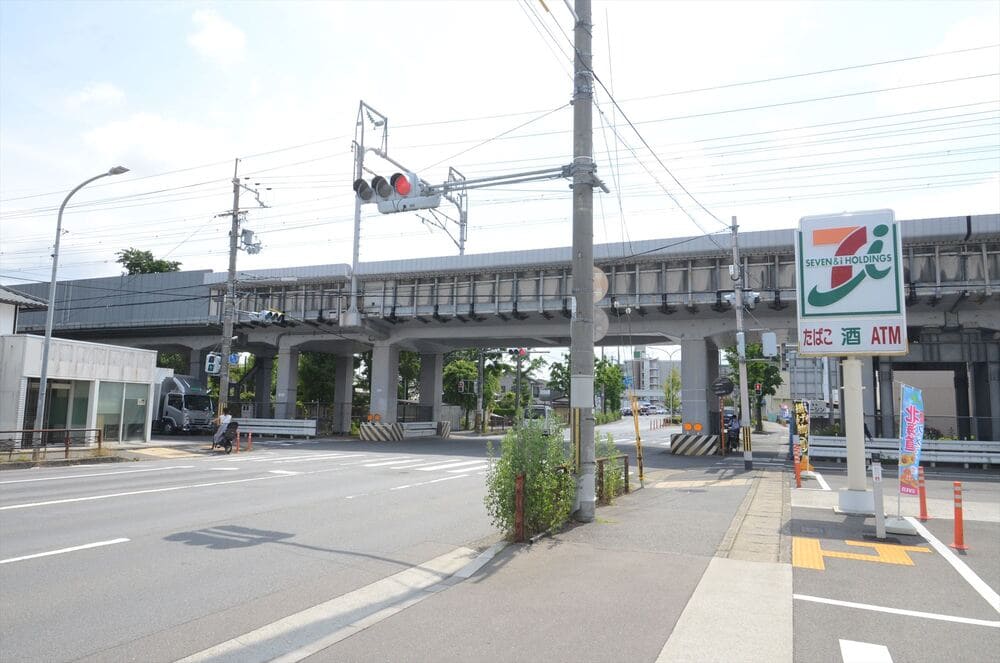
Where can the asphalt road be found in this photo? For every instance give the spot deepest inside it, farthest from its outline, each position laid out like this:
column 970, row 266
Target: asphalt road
column 188, row 552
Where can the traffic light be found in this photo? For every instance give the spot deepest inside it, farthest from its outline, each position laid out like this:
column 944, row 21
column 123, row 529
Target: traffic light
column 213, row 363
column 271, row 316
column 759, row 388
column 402, row 192
column 517, row 353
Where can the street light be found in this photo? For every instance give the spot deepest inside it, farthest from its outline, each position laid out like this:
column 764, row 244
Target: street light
column 50, row 314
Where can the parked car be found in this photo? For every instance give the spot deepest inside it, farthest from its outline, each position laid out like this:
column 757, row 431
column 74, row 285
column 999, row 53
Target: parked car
column 658, row 409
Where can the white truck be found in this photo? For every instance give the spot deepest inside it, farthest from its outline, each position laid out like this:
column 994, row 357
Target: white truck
column 182, row 404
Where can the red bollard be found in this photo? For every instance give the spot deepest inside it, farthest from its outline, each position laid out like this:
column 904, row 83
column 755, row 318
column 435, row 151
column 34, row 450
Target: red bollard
column 922, row 489
column 250, row 442
column 237, row 441
column 959, row 543
column 798, row 466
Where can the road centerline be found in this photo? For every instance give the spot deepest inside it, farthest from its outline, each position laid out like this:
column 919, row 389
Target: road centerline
column 86, row 546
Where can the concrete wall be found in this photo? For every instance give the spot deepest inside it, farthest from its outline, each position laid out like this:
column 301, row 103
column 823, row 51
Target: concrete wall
column 8, row 313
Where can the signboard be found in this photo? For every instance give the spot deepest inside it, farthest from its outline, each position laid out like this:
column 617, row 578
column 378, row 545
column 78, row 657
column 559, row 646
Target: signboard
column 628, row 380
column 849, row 275
column 234, row 359
column 802, row 425
column 911, row 438
column 723, row 387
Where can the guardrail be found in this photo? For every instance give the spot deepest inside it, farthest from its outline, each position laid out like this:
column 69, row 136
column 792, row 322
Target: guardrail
column 290, row 427
column 966, row 452
column 38, row 440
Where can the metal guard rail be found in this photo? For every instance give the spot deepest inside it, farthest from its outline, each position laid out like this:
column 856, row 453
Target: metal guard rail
column 965, row 452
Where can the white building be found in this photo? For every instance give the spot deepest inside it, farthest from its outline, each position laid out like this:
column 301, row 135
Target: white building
column 90, row 386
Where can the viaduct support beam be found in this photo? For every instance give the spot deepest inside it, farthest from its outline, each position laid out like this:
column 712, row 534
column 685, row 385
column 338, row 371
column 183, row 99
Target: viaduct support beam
column 262, row 385
column 432, row 383
column 196, row 362
column 343, row 393
column 993, row 376
column 288, row 383
column 699, row 368
column 385, row 381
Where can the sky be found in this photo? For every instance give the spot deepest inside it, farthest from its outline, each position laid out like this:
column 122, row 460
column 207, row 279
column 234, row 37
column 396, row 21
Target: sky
column 704, row 111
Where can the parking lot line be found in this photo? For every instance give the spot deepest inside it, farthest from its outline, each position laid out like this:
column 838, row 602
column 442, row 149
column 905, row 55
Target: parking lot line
column 970, row 576
column 897, row 611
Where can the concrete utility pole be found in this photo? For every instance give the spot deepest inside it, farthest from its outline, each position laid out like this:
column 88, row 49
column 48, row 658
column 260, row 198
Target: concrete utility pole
column 736, row 273
column 582, row 325
column 480, row 415
column 229, row 306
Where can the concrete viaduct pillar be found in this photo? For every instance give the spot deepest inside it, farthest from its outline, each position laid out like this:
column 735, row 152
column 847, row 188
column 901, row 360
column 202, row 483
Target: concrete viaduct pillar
column 385, row 381
column 288, row 383
column 262, row 385
column 343, row 393
column 432, row 383
column 699, row 368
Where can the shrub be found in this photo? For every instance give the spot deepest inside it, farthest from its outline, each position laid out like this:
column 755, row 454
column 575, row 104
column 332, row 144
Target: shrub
column 549, row 487
column 614, row 481
column 606, row 417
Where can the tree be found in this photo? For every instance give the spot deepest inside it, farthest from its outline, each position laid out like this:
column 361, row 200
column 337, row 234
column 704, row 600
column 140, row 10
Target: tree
column 136, row 261
column 409, row 371
column 174, row 360
column 762, row 371
column 493, row 368
column 672, row 391
column 609, row 382
column 559, row 375
column 317, row 377
column 464, row 370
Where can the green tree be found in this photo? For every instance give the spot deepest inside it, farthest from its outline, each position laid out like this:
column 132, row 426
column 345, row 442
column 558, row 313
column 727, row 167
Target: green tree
column 559, row 375
column 317, row 376
column 174, row 360
column 409, row 371
column 493, row 368
column 609, row 382
column 464, row 370
column 672, row 391
column 759, row 370
column 136, row 261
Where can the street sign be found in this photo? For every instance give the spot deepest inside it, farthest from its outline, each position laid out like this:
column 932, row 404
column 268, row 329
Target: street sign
column 628, row 380
column 849, row 276
column 234, row 359
column 723, row 387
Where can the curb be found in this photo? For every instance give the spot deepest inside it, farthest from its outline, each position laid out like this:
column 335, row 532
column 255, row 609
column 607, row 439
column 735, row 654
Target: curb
column 62, row 462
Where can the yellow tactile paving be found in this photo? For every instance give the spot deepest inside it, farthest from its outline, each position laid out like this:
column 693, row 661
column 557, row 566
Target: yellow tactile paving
column 808, row 554
column 166, row 452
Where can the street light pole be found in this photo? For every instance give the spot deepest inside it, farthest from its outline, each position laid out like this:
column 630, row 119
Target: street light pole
column 50, row 313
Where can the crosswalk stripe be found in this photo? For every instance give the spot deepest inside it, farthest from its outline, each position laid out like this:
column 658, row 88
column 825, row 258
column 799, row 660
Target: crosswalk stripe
column 390, row 461
column 469, row 469
column 448, row 466
column 308, row 458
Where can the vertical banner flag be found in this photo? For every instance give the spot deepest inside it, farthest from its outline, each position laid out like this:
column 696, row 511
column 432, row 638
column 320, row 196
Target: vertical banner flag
column 911, row 438
column 802, row 425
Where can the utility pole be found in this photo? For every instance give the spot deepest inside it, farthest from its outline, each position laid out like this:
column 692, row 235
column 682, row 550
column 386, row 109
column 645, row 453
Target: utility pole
column 736, row 274
column 582, row 323
column 480, row 415
column 229, row 306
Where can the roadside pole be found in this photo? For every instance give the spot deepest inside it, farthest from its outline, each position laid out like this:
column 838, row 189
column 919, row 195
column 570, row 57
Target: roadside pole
column 582, row 323
column 229, row 306
column 741, row 349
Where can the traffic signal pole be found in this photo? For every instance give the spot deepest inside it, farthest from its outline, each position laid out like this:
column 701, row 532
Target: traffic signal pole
column 582, row 324
column 741, row 350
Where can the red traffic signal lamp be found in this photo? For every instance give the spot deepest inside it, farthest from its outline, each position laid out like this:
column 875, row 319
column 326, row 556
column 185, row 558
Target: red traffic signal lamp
column 759, row 388
column 401, row 192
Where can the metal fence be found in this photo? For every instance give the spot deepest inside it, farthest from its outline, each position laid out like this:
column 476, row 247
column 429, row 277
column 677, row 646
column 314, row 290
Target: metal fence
column 41, row 440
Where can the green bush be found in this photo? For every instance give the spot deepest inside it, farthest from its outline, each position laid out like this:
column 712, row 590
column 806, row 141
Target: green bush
column 614, row 480
column 549, row 488
column 606, row 417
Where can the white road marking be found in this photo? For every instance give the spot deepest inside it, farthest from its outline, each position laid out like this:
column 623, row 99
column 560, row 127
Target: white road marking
column 449, row 465
column 63, row 550
column 299, row 636
column 469, row 469
column 410, row 465
column 319, row 457
column 133, row 492
column 424, row 483
column 897, row 611
column 100, row 474
column 391, row 461
column 864, row 652
column 819, row 479
column 224, row 469
column 970, row 576
column 285, row 472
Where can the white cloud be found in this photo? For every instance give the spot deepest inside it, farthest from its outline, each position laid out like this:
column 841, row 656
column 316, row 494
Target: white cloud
column 216, row 38
column 96, row 93
column 154, row 141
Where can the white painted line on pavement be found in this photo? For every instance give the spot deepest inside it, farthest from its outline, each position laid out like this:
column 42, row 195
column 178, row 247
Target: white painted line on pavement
column 286, row 472
column 425, row 483
column 449, row 465
column 314, row 629
column 63, row 550
column 391, row 461
column 970, row 576
column 897, row 611
column 100, row 474
column 469, row 469
column 864, row 652
column 133, row 492
column 224, row 469
column 399, row 465
column 319, row 457
column 819, row 479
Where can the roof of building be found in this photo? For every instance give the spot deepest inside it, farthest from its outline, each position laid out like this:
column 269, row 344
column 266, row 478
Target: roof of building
column 8, row 296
